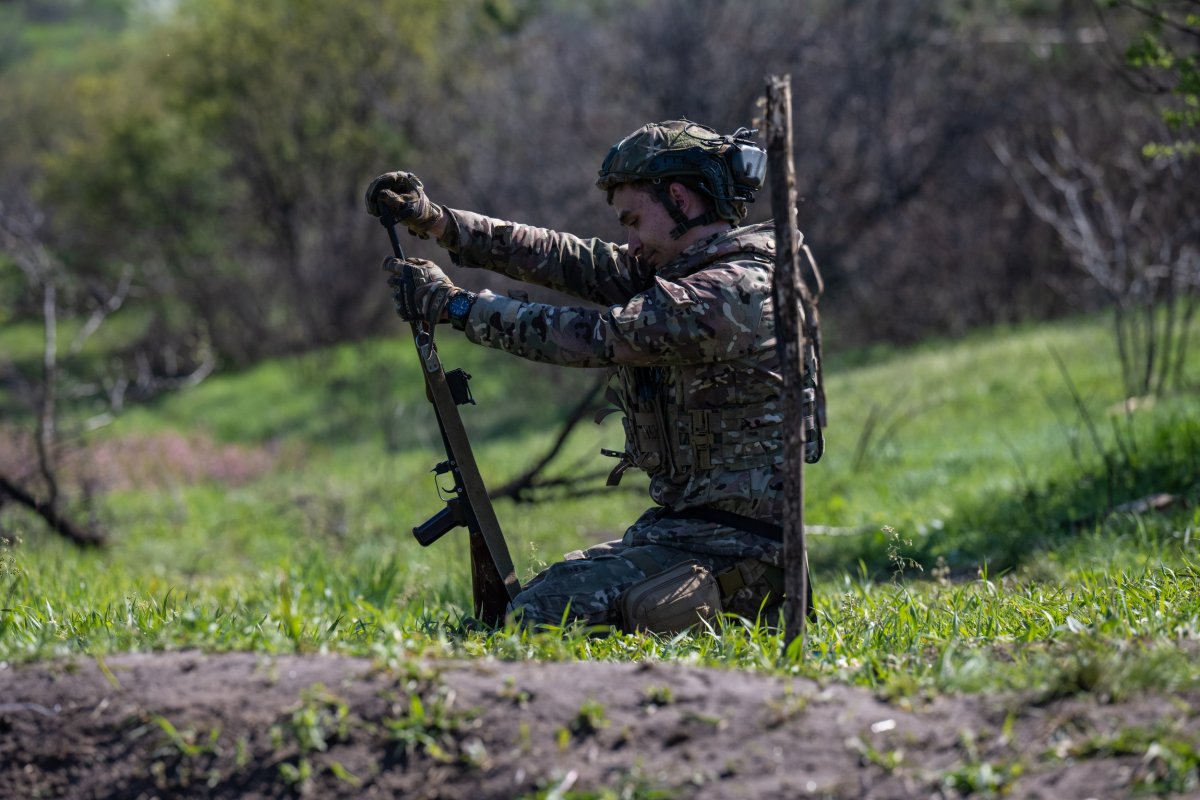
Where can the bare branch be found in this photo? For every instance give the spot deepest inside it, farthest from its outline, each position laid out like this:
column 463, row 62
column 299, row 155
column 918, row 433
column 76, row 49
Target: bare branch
column 58, row 523
column 521, row 488
column 108, row 306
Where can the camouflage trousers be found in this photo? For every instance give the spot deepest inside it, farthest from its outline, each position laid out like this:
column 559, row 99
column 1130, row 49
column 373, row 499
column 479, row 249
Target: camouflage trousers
column 585, row 585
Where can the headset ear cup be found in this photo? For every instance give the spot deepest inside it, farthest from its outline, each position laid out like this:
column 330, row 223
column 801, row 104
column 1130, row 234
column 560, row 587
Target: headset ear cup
column 716, row 171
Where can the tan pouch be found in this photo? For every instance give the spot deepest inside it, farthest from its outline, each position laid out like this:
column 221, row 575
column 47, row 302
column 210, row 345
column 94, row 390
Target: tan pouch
column 671, row 601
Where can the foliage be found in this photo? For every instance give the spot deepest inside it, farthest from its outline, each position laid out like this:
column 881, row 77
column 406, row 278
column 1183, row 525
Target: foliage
column 1166, row 51
column 234, row 151
column 219, row 150
column 320, row 719
column 54, row 30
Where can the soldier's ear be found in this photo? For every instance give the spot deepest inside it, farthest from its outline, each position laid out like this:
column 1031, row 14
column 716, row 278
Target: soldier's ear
column 684, row 197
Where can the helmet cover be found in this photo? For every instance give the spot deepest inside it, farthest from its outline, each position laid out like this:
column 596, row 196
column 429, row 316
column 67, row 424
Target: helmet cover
column 728, row 169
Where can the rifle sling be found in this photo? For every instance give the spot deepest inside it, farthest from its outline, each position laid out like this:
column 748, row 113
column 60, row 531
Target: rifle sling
column 473, row 487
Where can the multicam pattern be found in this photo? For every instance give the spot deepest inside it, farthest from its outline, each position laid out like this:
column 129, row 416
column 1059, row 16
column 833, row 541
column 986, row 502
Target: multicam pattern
column 691, row 349
column 585, row 585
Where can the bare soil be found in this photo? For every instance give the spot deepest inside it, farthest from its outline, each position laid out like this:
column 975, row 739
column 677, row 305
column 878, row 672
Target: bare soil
column 253, row 726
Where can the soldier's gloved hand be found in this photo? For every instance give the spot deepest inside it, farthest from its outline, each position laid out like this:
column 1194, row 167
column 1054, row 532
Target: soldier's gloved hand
column 403, row 195
column 420, row 289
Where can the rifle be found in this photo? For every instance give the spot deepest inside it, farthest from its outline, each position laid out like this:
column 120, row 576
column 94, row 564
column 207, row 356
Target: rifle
column 493, row 580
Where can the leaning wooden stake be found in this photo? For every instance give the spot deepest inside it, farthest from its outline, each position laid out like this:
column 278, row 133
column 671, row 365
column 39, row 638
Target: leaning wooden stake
column 789, row 338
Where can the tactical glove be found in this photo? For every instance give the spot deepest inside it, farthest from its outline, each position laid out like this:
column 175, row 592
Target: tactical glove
column 402, row 194
column 422, row 292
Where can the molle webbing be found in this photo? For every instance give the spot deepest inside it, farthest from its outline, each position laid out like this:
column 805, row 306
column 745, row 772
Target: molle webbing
column 704, row 439
column 709, row 439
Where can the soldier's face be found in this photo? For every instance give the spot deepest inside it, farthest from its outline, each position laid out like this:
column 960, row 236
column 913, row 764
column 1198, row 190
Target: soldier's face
column 647, row 225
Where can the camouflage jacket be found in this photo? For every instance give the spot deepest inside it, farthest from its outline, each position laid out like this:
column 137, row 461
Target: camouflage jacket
column 690, row 346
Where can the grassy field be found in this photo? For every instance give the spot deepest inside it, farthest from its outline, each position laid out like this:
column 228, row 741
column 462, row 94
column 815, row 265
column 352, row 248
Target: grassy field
column 965, row 537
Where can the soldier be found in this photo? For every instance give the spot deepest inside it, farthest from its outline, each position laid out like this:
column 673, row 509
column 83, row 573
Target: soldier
column 688, row 337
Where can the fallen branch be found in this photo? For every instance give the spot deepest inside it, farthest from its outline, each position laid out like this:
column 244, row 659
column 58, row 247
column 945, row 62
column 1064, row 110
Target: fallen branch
column 82, row 536
column 521, row 488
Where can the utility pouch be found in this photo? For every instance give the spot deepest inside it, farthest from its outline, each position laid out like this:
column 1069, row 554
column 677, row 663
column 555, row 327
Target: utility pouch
column 671, row 601
column 751, row 588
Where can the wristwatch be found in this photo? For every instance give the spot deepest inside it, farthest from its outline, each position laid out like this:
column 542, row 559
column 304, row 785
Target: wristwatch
column 459, row 308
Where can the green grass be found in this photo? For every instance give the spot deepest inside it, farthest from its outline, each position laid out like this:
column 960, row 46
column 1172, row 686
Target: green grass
column 988, row 558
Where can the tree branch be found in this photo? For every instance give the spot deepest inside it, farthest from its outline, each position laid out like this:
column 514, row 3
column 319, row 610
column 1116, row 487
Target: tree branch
column 521, row 488
column 82, row 536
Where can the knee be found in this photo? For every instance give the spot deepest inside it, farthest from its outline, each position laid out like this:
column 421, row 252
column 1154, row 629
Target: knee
column 557, row 599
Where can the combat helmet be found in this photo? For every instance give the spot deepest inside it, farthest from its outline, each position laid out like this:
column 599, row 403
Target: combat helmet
column 729, row 168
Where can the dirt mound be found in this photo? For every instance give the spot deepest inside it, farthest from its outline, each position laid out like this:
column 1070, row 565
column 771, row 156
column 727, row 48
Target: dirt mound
column 253, row 726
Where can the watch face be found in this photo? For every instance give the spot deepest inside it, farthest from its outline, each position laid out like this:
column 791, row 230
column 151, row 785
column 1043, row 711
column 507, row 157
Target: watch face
column 460, row 306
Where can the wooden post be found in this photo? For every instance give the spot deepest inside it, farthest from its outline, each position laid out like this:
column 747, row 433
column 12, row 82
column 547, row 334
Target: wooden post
column 789, row 337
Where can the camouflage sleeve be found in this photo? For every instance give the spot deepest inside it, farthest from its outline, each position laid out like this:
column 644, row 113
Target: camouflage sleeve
column 720, row 313
column 590, row 269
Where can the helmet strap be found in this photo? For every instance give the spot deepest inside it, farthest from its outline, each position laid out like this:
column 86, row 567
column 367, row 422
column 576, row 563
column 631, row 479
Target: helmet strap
column 683, row 223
